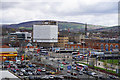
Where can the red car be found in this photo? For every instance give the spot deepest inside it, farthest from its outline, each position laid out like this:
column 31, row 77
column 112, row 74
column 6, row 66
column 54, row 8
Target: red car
column 17, row 69
column 68, row 71
column 39, row 70
column 64, row 63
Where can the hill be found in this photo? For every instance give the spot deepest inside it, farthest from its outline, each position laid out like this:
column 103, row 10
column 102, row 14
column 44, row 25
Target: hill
column 73, row 26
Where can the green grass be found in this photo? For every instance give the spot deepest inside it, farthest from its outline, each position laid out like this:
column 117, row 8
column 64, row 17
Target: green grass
column 99, row 68
column 110, row 61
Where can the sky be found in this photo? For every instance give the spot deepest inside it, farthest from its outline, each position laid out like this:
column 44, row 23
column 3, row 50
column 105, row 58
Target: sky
column 97, row 12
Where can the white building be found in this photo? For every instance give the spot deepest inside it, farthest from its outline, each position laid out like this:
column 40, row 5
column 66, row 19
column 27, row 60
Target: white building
column 20, row 35
column 46, row 32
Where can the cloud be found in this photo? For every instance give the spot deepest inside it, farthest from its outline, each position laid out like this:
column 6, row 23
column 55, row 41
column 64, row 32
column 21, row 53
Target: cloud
column 95, row 12
column 7, row 5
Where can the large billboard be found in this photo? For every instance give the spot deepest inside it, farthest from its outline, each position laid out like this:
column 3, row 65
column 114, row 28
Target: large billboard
column 45, row 33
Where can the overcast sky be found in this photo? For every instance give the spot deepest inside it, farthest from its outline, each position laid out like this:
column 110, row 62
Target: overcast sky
column 98, row 12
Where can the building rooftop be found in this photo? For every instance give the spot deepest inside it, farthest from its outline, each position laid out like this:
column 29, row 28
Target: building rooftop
column 7, row 50
column 7, row 74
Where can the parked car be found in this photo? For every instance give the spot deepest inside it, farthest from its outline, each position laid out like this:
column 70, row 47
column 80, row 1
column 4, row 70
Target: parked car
column 34, row 73
column 25, row 73
column 74, row 73
column 43, row 69
column 22, row 70
column 52, row 72
column 38, row 73
column 68, row 71
column 112, row 77
column 81, row 73
column 94, row 74
column 61, row 68
column 64, row 63
column 30, row 73
column 48, row 72
column 67, row 62
column 74, row 68
column 39, row 70
column 20, row 74
column 34, row 65
column 51, row 77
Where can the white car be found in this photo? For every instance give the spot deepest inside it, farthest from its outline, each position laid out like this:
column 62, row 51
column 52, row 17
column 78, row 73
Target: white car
column 74, row 68
column 94, row 74
column 30, row 73
column 22, row 70
column 51, row 77
column 43, row 69
column 21, row 74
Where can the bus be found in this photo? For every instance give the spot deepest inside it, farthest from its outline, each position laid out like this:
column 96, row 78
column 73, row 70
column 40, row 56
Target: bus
column 81, row 67
column 64, row 51
column 74, row 53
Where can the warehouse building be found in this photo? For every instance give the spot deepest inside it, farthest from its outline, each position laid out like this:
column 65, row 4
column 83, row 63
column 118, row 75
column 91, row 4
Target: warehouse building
column 7, row 53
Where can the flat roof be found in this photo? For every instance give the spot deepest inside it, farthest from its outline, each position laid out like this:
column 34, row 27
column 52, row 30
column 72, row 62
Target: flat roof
column 8, row 50
column 7, row 74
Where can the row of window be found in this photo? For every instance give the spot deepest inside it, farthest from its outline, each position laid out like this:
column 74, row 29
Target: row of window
column 102, row 47
column 106, row 47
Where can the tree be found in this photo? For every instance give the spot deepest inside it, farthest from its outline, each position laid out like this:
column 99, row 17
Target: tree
column 105, row 64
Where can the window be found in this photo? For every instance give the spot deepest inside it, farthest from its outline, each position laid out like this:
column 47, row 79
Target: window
column 102, row 47
column 116, row 46
column 106, row 47
column 72, row 47
column 111, row 47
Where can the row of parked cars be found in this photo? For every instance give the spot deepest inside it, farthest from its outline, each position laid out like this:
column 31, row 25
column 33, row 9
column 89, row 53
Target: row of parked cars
column 26, row 68
column 45, row 77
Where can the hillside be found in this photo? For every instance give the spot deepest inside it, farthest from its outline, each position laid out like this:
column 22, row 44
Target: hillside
column 108, row 29
column 61, row 24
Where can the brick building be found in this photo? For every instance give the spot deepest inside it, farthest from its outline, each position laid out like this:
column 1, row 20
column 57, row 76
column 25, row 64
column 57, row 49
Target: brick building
column 101, row 44
column 62, row 41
